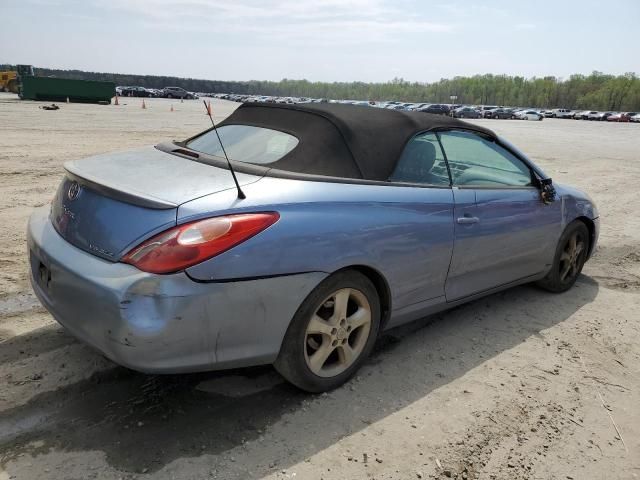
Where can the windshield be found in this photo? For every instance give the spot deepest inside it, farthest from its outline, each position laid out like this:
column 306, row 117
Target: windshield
column 245, row 143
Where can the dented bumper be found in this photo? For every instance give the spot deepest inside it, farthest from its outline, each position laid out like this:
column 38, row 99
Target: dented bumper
column 161, row 323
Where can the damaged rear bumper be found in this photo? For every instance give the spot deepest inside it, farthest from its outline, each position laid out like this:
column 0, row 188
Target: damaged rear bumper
column 161, row 323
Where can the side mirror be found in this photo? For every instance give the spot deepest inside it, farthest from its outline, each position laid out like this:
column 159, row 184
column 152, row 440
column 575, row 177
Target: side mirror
column 547, row 192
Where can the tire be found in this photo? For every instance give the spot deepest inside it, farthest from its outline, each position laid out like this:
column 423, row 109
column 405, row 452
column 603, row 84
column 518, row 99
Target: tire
column 320, row 311
column 557, row 280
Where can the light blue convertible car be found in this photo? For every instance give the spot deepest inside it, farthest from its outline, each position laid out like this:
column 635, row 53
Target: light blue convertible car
column 345, row 221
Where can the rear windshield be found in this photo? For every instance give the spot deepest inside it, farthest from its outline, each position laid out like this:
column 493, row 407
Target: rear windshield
column 245, row 143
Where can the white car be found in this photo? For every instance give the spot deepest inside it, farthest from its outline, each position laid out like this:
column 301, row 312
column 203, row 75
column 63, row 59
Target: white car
column 561, row 113
column 529, row 115
column 635, row 118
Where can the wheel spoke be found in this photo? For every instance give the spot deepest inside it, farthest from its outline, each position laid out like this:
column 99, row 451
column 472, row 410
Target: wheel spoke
column 318, row 325
column 565, row 257
column 572, row 244
column 318, row 359
column 361, row 317
column 579, row 248
column 565, row 271
column 346, row 354
column 340, row 305
column 333, row 344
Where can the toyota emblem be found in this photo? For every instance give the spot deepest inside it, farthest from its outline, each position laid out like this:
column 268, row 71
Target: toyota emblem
column 74, row 191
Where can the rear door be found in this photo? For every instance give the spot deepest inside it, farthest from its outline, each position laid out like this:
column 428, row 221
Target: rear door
column 503, row 231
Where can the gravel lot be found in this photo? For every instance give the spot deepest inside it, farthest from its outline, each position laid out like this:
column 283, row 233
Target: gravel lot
column 519, row 385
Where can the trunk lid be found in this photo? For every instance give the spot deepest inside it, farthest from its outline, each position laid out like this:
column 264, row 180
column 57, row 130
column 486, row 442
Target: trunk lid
column 107, row 204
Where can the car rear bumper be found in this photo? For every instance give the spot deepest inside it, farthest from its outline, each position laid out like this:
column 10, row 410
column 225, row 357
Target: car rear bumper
column 161, row 323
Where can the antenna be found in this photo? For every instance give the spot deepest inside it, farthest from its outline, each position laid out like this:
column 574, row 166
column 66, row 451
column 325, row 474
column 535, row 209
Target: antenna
column 241, row 194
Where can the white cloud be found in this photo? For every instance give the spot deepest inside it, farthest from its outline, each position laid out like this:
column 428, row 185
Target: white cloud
column 320, row 22
column 525, row 26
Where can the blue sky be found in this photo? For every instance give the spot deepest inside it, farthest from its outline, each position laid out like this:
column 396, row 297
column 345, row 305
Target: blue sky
column 342, row 40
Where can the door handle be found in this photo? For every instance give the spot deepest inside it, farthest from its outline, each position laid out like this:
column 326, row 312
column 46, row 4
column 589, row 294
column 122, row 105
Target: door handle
column 468, row 220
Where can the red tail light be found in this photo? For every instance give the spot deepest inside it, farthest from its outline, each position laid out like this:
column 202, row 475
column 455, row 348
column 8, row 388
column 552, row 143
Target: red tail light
column 192, row 243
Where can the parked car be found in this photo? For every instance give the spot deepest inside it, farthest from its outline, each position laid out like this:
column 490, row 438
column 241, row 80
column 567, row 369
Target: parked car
column 584, row 115
column 621, row 117
column 436, row 108
column 134, row 92
column 155, row 92
column 635, row 118
column 177, row 92
column 312, row 255
column 498, row 113
column 562, row 113
column 602, row 116
column 466, row 112
column 529, row 115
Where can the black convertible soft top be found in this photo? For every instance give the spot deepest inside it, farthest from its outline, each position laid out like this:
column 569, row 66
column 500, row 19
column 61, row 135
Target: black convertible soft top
column 341, row 140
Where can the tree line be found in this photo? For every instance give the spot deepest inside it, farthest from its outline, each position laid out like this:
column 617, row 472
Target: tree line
column 598, row 91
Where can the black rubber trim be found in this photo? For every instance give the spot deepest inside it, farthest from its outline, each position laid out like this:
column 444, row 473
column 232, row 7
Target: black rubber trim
column 252, row 169
column 126, row 197
column 248, row 279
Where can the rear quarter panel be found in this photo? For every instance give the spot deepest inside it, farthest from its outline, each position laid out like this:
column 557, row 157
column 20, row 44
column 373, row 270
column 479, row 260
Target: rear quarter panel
column 404, row 233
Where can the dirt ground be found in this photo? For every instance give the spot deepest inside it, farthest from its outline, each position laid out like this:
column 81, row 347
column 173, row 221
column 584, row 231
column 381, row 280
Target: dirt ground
column 519, row 385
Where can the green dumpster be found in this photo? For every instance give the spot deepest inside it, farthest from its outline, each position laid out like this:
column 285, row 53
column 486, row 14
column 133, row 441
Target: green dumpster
column 59, row 89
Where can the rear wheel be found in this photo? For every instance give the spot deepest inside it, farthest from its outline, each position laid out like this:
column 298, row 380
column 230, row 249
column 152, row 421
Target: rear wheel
column 331, row 334
column 571, row 253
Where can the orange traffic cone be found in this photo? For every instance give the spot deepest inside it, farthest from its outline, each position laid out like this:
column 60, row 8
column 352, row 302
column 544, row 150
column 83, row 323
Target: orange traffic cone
column 172, row 107
column 116, row 102
column 209, row 108
column 143, row 105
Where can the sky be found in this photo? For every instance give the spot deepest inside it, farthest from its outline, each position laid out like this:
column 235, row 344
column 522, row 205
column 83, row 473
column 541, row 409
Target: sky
column 324, row 40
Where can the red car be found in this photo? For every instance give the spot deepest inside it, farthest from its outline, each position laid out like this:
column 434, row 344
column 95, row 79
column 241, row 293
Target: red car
column 621, row 117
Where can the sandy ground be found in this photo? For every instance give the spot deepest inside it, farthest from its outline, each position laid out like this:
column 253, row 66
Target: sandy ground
column 522, row 384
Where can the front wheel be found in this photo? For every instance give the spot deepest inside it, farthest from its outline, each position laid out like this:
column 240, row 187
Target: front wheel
column 331, row 334
column 571, row 254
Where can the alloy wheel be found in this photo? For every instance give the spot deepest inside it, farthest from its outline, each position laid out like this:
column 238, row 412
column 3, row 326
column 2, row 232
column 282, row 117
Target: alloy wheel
column 337, row 333
column 571, row 257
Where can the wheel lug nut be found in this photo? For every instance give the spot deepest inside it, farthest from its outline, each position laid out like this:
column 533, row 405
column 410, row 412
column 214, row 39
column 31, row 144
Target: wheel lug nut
column 344, row 340
column 334, row 343
column 349, row 328
column 334, row 331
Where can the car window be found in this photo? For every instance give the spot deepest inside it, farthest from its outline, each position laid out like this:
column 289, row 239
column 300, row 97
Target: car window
column 477, row 161
column 422, row 161
column 246, row 143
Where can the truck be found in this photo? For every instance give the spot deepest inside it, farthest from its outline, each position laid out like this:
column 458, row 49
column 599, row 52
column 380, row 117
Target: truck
column 9, row 81
column 562, row 113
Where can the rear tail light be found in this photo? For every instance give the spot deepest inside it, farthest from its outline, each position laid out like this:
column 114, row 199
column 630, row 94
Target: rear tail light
column 189, row 244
